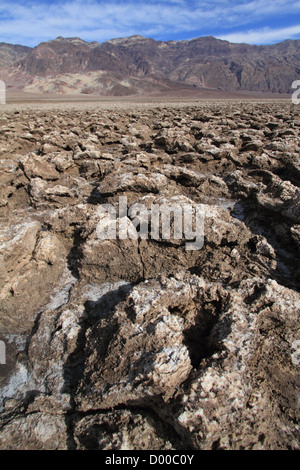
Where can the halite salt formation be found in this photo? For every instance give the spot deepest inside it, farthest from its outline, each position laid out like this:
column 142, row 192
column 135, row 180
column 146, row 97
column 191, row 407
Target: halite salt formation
column 139, row 343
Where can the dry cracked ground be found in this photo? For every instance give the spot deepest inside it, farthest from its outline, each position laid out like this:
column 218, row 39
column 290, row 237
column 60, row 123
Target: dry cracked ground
column 139, row 343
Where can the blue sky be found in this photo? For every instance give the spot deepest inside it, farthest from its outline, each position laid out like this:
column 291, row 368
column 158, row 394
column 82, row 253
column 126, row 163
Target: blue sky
column 254, row 22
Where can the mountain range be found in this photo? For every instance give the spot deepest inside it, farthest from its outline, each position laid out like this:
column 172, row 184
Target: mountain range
column 139, row 65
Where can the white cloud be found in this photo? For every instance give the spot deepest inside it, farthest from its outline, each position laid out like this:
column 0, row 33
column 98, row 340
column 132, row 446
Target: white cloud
column 263, row 36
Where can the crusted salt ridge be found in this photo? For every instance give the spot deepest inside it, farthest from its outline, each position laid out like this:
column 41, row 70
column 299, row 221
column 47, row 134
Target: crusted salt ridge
column 139, row 343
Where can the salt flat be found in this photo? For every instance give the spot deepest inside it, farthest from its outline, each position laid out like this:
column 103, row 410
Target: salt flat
column 138, row 343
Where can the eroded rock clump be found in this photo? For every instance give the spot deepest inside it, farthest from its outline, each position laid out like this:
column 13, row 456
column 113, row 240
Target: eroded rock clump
column 137, row 342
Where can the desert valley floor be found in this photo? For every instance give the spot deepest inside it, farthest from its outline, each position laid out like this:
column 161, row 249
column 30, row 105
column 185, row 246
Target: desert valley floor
column 138, row 343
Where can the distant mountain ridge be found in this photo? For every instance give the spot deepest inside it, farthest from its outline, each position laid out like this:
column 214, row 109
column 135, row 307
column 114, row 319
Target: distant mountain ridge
column 137, row 65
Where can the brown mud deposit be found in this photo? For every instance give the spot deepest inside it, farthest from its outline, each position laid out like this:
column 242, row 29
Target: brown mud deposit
column 140, row 343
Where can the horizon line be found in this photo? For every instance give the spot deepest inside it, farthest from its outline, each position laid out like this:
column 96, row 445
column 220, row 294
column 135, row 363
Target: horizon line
column 156, row 40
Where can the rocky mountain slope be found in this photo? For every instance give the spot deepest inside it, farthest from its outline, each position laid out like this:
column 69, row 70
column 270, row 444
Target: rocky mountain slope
column 139, row 343
column 138, row 65
column 10, row 54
